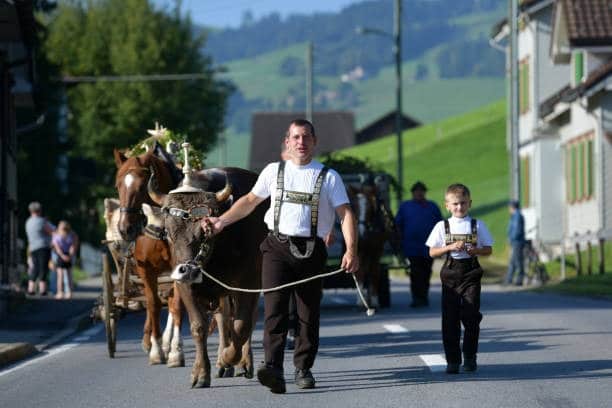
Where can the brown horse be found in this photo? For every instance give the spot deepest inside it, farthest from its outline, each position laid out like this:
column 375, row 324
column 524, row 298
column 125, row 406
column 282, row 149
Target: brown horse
column 151, row 253
column 373, row 232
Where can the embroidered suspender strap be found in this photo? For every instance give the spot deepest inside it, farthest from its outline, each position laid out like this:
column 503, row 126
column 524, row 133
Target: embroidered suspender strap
column 447, row 234
column 278, row 200
column 474, row 231
column 314, row 209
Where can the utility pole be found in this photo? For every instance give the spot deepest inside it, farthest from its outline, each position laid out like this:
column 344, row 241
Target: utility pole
column 309, row 78
column 515, row 190
column 397, row 50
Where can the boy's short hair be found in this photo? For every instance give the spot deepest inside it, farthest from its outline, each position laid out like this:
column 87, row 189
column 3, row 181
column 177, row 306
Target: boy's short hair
column 458, row 189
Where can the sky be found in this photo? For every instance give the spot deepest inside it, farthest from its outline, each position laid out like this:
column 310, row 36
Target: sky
column 228, row 13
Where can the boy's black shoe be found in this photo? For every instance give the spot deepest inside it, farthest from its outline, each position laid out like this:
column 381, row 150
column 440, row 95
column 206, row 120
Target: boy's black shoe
column 272, row 378
column 304, row 379
column 452, row 368
column 469, row 364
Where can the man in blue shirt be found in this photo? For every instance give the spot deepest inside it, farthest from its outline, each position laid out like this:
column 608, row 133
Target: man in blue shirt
column 414, row 220
column 516, row 236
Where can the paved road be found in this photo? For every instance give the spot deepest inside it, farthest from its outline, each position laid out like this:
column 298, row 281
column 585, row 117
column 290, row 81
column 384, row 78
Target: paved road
column 536, row 351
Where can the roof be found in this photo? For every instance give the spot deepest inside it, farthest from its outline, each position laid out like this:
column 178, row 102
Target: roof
column 335, row 130
column 380, row 127
column 589, row 22
column 569, row 94
column 525, row 6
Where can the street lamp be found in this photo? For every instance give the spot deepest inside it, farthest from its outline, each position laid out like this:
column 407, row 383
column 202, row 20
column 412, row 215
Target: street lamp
column 397, row 52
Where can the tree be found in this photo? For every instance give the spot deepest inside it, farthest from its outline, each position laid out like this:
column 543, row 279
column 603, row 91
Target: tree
column 127, row 37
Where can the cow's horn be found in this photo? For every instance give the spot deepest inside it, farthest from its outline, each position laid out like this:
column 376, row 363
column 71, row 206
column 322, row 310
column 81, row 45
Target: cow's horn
column 154, row 193
column 225, row 193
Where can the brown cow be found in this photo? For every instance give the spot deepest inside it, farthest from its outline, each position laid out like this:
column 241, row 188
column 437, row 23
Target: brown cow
column 232, row 256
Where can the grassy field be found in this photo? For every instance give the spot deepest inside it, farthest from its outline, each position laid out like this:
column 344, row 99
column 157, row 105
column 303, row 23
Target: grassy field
column 429, row 100
column 470, row 149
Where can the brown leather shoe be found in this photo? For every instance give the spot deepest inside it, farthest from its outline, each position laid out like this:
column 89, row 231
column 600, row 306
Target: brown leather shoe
column 272, row 377
column 304, row 379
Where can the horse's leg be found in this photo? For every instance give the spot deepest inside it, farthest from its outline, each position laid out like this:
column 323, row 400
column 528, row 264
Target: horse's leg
column 361, row 276
column 146, row 332
column 176, row 355
column 374, row 269
column 198, row 321
column 149, row 277
column 223, row 317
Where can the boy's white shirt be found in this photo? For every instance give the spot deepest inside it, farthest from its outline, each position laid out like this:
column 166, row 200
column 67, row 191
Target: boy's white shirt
column 459, row 226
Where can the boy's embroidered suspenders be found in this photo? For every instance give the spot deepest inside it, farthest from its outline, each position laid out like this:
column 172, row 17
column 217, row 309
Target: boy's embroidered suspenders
column 298, row 197
column 471, row 239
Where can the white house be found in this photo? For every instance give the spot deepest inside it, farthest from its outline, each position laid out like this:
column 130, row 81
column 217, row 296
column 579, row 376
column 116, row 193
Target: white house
column 565, row 122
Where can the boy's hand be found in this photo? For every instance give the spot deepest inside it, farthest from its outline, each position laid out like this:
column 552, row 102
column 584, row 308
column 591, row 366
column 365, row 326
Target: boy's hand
column 457, row 246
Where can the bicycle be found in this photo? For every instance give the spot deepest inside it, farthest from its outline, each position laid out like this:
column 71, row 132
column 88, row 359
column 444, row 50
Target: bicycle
column 535, row 270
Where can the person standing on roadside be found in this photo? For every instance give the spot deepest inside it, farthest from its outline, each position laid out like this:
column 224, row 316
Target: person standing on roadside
column 516, row 237
column 39, row 232
column 414, row 220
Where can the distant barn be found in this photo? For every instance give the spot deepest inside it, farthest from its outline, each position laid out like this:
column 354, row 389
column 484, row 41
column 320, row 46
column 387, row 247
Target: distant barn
column 335, row 130
column 384, row 126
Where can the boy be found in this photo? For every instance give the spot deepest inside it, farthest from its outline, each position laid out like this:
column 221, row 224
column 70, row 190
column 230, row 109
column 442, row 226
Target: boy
column 461, row 238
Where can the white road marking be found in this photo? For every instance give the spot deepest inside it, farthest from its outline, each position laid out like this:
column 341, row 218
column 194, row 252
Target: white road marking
column 85, row 336
column 395, row 328
column 435, row 362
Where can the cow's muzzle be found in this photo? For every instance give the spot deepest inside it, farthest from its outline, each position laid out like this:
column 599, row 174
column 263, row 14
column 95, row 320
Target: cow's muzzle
column 187, row 273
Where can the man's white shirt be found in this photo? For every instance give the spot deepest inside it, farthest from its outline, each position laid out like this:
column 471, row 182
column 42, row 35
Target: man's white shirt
column 459, row 226
column 294, row 218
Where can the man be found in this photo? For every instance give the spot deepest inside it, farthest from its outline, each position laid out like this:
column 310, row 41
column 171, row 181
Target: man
column 304, row 195
column 39, row 232
column 415, row 219
column 516, row 236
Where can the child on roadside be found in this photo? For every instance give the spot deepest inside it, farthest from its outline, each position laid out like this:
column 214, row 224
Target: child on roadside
column 64, row 244
column 461, row 238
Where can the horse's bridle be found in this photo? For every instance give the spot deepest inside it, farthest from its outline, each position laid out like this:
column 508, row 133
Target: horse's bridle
column 134, row 210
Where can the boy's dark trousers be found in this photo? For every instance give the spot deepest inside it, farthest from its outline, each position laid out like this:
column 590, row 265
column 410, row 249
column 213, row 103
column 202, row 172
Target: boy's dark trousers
column 460, row 304
column 279, row 267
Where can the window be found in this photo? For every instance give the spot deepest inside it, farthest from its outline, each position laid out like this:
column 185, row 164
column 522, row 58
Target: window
column 524, row 86
column 578, row 67
column 579, row 169
column 525, row 179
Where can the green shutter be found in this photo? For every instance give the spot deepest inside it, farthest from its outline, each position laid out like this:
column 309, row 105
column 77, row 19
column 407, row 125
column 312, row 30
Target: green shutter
column 568, row 182
column 573, row 174
column 581, row 165
column 589, row 169
column 525, row 188
column 578, row 67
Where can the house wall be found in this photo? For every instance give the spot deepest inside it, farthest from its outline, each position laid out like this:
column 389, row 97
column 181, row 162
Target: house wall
column 526, row 52
column 549, row 77
column 583, row 217
column 606, row 163
column 548, row 191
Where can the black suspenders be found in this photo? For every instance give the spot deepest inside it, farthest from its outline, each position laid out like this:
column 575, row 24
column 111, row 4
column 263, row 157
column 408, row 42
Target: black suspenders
column 298, row 197
column 471, row 239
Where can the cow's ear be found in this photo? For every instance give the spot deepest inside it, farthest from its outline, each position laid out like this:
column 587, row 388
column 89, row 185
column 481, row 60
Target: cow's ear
column 119, row 158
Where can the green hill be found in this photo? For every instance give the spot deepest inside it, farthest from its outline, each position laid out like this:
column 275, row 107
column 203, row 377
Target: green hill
column 470, row 149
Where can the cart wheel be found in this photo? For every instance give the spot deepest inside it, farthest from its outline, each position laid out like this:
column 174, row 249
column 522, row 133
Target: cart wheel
column 110, row 323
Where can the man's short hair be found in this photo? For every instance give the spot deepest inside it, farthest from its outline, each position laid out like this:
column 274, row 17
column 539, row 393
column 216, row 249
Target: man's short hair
column 34, row 207
column 301, row 123
column 458, row 189
column 514, row 204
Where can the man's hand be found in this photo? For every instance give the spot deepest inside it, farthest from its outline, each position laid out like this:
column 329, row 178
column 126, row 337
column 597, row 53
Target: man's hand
column 350, row 262
column 212, row 225
column 457, row 246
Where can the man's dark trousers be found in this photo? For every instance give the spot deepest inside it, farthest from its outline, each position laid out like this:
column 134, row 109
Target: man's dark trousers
column 420, row 275
column 460, row 304
column 280, row 267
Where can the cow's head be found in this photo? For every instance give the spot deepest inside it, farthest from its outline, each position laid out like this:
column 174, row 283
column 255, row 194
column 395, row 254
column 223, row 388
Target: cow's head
column 182, row 213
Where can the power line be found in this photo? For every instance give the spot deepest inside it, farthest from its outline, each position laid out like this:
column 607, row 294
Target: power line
column 134, row 78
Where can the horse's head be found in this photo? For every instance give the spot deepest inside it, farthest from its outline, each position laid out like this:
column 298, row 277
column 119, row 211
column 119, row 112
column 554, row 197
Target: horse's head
column 364, row 204
column 131, row 181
